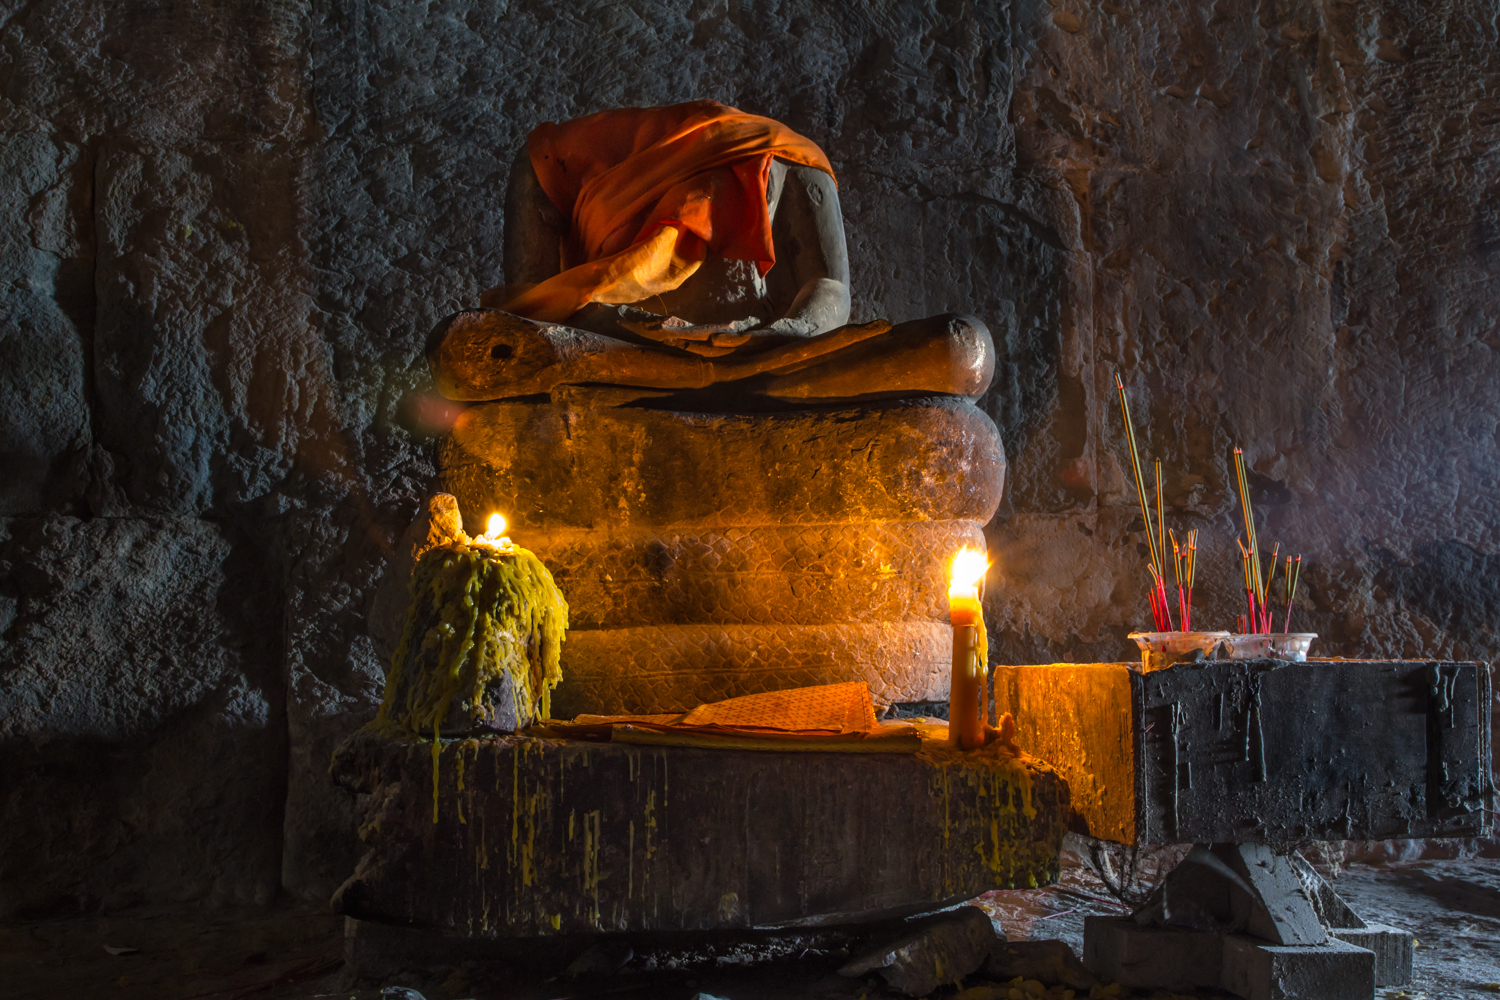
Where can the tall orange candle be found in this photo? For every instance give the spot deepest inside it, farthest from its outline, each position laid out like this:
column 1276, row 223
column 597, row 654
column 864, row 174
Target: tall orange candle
column 966, row 695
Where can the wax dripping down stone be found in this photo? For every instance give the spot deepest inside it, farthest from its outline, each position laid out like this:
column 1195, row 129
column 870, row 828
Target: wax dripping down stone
column 482, row 638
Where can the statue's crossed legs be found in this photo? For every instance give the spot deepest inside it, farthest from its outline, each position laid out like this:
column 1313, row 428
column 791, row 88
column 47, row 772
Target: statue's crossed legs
column 487, row 354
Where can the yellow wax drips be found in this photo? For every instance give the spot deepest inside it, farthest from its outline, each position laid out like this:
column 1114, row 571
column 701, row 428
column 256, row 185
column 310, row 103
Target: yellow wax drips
column 478, row 614
column 982, row 653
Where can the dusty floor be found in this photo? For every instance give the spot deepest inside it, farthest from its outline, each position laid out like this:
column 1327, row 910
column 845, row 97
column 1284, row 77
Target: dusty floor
column 1452, row 906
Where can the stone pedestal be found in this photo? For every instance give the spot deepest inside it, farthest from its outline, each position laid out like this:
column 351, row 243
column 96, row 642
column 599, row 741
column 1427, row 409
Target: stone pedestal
column 1259, row 923
column 706, row 556
column 528, row 838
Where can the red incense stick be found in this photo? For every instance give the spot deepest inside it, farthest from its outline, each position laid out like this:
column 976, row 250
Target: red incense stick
column 1249, row 587
column 1265, row 611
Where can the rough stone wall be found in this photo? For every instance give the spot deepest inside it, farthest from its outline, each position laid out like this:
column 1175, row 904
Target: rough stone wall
column 228, row 227
column 1280, row 227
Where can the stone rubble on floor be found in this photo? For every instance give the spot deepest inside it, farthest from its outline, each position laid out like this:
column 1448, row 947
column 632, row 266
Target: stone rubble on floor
column 941, row 952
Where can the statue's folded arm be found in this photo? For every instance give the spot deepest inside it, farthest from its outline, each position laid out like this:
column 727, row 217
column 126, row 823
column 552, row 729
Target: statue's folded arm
column 535, row 230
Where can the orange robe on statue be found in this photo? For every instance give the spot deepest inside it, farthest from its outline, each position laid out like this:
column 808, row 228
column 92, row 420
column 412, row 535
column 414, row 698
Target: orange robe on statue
column 649, row 192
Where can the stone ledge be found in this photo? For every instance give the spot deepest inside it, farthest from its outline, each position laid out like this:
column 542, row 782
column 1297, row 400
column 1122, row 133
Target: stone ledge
column 536, row 838
column 1234, row 751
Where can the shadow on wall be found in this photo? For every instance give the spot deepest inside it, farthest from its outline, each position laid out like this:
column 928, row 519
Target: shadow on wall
column 188, row 812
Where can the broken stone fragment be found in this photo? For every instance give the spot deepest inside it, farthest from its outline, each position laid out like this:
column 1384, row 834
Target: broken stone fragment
column 1236, row 889
column 439, row 523
column 600, row 960
column 1050, row 962
column 938, row 951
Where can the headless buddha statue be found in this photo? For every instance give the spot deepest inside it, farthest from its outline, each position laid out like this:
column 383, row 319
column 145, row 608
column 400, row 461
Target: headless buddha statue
column 683, row 248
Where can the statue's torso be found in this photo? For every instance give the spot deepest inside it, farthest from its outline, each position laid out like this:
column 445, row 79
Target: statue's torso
column 724, row 290
column 720, row 291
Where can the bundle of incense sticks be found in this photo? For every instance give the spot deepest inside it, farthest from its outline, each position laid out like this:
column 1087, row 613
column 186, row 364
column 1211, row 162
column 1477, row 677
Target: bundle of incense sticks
column 1289, row 580
column 1184, row 558
column 1258, row 585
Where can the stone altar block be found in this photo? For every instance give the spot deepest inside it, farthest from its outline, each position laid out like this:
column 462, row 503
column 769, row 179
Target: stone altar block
column 530, row 837
column 1238, row 756
column 707, row 555
column 1261, row 750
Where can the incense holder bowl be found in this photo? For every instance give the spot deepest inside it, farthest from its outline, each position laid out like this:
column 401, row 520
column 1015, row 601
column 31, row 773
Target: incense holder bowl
column 1160, row 650
column 1249, row 646
column 1292, row 645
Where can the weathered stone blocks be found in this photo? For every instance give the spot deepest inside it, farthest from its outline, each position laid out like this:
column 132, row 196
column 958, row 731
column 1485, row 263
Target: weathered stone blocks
column 211, row 384
column 1333, row 970
column 943, row 950
column 1262, row 750
column 1392, row 947
column 140, row 731
column 1119, row 950
column 706, row 556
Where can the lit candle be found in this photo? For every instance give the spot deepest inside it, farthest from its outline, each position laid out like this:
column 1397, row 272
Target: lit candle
column 966, row 700
column 494, row 533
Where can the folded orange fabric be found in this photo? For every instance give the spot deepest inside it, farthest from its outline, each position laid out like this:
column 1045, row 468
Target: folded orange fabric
column 649, row 192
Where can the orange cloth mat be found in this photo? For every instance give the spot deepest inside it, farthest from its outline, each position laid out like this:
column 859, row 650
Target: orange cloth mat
column 828, row 717
column 648, row 192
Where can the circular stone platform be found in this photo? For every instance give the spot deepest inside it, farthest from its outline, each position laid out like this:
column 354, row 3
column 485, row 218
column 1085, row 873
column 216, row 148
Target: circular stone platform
column 706, row 556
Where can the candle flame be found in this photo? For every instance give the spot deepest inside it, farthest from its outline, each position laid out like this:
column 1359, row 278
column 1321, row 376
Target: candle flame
column 968, row 569
column 496, row 526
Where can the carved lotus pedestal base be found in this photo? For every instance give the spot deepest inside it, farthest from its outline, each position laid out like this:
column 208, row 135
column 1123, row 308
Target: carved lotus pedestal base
column 706, row 556
column 538, row 838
